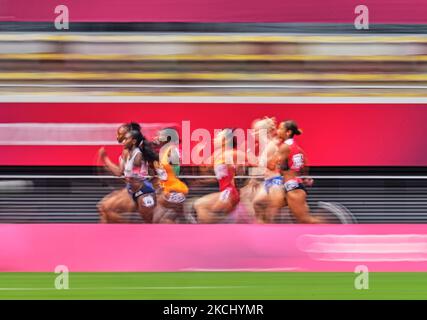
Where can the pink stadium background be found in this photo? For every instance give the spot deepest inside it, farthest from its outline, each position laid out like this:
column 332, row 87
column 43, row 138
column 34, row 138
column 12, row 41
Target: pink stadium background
column 334, row 134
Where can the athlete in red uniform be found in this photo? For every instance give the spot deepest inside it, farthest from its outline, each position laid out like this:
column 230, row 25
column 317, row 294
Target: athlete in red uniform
column 293, row 165
column 214, row 207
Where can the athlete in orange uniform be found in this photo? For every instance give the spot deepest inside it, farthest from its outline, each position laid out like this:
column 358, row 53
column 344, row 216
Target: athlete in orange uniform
column 173, row 191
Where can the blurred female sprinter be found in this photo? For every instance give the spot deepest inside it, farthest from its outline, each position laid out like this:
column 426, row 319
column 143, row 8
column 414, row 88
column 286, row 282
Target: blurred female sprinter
column 214, row 207
column 170, row 137
column 117, row 202
column 173, row 191
column 139, row 194
column 270, row 196
column 292, row 165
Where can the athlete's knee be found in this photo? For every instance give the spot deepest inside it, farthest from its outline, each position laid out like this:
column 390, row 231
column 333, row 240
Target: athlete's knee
column 146, row 215
column 199, row 204
column 258, row 205
column 308, row 219
column 303, row 218
column 296, row 196
column 101, row 206
column 277, row 201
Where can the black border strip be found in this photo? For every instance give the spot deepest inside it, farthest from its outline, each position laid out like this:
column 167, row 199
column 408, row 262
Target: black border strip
column 21, row 26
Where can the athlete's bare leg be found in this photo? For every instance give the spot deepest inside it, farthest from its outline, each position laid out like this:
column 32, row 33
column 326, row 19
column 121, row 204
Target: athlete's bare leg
column 105, row 204
column 247, row 194
column 267, row 205
column 260, row 203
column 167, row 212
column 297, row 203
column 145, row 206
column 210, row 207
column 276, row 202
column 112, row 206
column 203, row 207
column 115, row 217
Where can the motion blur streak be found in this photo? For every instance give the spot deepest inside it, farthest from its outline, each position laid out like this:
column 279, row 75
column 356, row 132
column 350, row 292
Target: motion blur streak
column 63, row 134
column 367, row 248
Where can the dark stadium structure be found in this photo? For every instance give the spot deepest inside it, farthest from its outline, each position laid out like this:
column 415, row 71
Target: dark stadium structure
column 70, row 195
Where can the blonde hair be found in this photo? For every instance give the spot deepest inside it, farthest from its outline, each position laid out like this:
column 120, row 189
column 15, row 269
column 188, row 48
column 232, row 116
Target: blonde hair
column 224, row 136
column 264, row 124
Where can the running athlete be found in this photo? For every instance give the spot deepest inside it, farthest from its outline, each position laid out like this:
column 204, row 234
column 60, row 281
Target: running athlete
column 113, row 205
column 170, row 137
column 213, row 208
column 293, row 164
column 270, row 196
column 133, row 165
column 173, row 191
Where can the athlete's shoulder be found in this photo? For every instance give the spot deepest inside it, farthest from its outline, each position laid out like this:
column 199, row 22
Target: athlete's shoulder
column 125, row 153
column 283, row 147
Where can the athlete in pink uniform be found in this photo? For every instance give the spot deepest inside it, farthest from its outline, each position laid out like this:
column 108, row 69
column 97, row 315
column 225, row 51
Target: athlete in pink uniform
column 293, row 165
column 214, row 207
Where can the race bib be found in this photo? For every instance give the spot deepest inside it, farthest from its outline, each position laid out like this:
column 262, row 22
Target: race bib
column 176, row 197
column 225, row 195
column 148, row 201
column 298, row 161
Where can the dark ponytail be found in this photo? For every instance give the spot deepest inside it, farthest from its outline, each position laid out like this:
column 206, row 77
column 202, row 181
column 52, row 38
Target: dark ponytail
column 137, row 135
column 147, row 150
column 148, row 153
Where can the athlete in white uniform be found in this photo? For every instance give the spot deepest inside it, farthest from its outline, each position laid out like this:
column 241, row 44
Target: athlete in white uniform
column 138, row 196
column 270, row 196
column 113, row 205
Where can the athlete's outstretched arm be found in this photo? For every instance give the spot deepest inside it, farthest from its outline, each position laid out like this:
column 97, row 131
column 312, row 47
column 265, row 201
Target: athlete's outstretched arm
column 308, row 182
column 115, row 169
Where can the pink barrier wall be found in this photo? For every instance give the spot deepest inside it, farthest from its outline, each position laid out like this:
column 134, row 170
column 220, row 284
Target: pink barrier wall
column 326, row 11
column 213, row 247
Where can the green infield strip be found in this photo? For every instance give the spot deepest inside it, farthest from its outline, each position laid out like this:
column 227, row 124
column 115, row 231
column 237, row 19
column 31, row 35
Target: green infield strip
column 214, row 285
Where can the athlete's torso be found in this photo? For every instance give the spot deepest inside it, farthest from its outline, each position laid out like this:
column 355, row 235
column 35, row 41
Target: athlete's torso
column 130, row 170
column 224, row 172
column 168, row 179
column 225, row 175
column 269, row 159
column 296, row 160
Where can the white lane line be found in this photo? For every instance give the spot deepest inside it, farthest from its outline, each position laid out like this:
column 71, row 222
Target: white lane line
column 126, row 288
